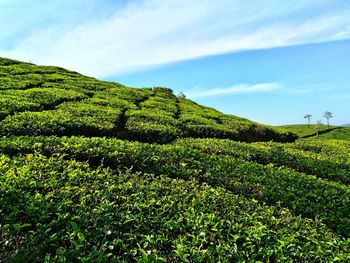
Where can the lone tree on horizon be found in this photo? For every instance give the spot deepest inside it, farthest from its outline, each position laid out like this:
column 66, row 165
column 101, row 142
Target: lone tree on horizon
column 328, row 115
column 307, row 116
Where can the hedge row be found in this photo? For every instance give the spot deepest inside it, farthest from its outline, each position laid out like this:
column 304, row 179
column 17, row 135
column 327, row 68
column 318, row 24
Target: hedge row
column 129, row 94
column 318, row 164
column 148, row 125
column 63, row 211
column 111, row 102
column 46, row 98
column 100, row 113
column 156, row 103
column 335, row 149
column 205, row 122
column 303, row 194
column 9, row 104
column 155, row 120
column 44, row 90
column 56, row 122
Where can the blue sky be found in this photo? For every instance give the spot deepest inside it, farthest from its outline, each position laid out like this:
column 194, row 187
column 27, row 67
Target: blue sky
column 270, row 61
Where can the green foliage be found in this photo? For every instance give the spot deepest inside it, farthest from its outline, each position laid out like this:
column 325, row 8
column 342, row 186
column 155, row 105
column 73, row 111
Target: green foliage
column 57, row 122
column 57, row 210
column 111, row 102
column 186, row 197
column 204, row 122
column 338, row 134
column 47, row 98
column 9, row 104
column 149, row 114
column 306, row 195
column 331, row 167
column 336, row 149
column 156, row 103
column 149, row 131
column 128, row 94
column 100, row 113
column 303, row 130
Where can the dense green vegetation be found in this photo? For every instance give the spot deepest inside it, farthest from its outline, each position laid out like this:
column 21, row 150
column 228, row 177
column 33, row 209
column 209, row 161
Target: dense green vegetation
column 304, row 130
column 94, row 171
column 52, row 101
column 318, row 131
column 338, row 134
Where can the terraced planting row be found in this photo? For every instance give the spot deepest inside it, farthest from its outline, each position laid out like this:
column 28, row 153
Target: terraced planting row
column 336, row 149
column 325, row 166
column 34, row 99
column 303, row 194
column 30, row 94
column 117, row 113
column 57, row 210
column 90, row 199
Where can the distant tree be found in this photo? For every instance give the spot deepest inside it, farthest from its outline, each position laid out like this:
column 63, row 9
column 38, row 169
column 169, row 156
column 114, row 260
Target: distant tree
column 307, row 116
column 181, row 95
column 318, row 126
column 328, row 115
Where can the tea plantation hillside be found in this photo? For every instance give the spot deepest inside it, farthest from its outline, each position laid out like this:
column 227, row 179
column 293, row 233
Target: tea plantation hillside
column 93, row 171
column 342, row 133
column 38, row 100
column 313, row 131
column 307, row 130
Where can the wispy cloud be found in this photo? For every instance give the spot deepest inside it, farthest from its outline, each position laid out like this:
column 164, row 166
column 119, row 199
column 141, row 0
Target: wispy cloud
column 153, row 32
column 235, row 89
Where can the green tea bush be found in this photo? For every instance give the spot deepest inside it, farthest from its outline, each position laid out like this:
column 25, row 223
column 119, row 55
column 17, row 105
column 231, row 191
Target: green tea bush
column 199, row 121
column 9, row 62
column 56, row 122
column 165, row 198
column 303, row 194
column 129, row 94
column 9, row 104
column 320, row 165
column 47, row 98
column 20, row 82
column 111, row 102
column 58, row 210
column 100, row 113
column 158, row 103
column 149, row 115
column 149, row 131
column 333, row 149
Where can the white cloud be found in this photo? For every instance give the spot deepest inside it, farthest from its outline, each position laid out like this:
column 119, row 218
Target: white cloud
column 153, row 32
column 236, row 89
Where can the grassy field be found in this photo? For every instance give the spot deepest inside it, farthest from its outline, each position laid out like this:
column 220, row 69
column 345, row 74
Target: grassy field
column 94, row 171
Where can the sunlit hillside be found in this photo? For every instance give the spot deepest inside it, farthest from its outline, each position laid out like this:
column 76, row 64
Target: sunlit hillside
column 94, row 171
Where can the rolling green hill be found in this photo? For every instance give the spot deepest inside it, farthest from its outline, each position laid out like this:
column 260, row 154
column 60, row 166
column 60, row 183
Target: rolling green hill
column 305, row 130
column 94, row 171
column 52, row 101
column 324, row 132
column 342, row 133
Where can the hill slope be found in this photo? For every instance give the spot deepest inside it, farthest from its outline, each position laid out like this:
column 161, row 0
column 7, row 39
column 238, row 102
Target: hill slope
column 52, row 101
column 306, row 130
column 338, row 134
column 324, row 132
column 94, row 171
